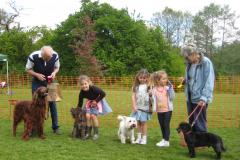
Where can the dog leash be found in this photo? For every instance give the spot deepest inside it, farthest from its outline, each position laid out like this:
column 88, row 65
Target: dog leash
column 194, row 121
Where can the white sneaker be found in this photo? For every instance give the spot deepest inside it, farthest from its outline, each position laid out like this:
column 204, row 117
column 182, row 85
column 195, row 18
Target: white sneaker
column 138, row 141
column 143, row 140
column 166, row 144
column 161, row 143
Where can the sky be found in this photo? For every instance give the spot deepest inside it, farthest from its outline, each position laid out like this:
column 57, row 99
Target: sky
column 53, row 12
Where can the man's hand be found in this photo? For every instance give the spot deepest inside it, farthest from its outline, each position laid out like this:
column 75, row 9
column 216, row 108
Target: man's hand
column 40, row 77
column 53, row 75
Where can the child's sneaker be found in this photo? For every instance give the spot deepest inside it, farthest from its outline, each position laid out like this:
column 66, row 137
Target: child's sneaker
column 138, row 140
column 166, row 144
column 143, row 140
column 161, row 143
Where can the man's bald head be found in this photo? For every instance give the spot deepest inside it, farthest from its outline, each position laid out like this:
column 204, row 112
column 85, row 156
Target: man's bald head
column 46, row 52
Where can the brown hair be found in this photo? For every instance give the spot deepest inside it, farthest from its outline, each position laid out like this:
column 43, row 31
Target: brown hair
column 84, row 78
column 136, row 82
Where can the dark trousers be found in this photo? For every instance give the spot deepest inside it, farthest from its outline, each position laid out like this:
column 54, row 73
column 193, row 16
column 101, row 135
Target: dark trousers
column 201, row 122
column 52, row 106
column 164, row 119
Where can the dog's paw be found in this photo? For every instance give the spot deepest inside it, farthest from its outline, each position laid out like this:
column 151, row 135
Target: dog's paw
column 26, row 138
column 42, row 137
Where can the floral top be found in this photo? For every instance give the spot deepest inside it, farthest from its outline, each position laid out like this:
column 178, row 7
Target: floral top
column 142, row 97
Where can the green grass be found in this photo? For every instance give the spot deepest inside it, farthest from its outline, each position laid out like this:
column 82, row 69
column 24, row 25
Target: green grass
column 223, row 112
column 107, row 147
column 223, row 119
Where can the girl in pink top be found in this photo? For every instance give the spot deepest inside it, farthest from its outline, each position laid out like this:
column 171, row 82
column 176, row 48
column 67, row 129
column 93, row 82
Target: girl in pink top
column 164, row 95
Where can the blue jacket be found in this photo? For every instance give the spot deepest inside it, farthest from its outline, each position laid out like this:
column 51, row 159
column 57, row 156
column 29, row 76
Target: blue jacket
column 203, row 84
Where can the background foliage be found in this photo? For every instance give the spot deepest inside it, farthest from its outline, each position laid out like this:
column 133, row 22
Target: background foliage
column 124, row 44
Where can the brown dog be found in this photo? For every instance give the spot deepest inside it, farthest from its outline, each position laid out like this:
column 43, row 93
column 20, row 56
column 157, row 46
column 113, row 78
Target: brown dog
column 32, row 113
column 80, row 123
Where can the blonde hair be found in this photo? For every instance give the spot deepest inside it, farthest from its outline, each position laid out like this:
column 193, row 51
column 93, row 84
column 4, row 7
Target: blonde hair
column 157, row 75
column 84, row 78
column 136, row 82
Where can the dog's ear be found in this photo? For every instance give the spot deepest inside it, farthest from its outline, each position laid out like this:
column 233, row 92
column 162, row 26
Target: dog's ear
column 121, row 117
column 34, row 98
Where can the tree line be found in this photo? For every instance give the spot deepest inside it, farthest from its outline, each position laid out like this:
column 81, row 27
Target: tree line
column 100, row 40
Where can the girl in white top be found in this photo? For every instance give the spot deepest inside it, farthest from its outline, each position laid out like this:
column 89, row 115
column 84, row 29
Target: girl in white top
column 140, row 104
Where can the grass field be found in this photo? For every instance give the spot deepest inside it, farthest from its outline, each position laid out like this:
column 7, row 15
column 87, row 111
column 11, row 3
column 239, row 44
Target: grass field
column 223, row 119
column 107, row 147
column 223, row 112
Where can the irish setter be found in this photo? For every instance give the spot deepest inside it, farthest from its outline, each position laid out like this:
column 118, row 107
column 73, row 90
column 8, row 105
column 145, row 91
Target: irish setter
column 32, row 113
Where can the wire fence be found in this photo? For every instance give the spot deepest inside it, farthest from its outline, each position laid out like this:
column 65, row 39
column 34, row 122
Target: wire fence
column 223, row 112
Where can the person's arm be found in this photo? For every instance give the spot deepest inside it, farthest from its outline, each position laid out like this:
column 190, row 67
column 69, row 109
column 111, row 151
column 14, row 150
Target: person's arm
column 171, row 92
column 100, row 92
column 80, row 100
column 208, row 83
column 56, row 67
column 29, row 70
column 134, row 107
column 55, row 71
column 39, row 76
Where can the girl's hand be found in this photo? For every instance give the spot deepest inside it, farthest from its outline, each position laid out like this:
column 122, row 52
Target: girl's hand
column 94, row 103
column 134, row 109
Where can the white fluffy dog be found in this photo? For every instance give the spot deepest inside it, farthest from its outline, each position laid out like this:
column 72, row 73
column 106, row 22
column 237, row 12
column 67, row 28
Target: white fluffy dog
column 126, row 128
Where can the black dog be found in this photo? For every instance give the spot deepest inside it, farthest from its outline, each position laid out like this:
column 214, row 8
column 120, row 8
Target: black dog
column 200, row 139
column 80, row 123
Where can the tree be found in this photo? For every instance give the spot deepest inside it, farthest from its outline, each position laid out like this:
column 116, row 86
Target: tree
column 175, row 24
column 7, row 19
column 228, row 28
column 17, row 45
column 226, row 61
column 83, row 40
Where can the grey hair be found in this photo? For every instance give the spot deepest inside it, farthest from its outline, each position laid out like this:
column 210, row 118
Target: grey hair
column 189, row 49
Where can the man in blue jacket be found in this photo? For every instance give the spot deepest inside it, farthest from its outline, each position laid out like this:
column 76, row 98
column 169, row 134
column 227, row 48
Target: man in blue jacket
column 199, row 84
column 41, row 65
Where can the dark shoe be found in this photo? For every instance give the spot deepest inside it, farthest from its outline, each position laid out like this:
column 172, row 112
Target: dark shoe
column 57, row 131
column 87, row 136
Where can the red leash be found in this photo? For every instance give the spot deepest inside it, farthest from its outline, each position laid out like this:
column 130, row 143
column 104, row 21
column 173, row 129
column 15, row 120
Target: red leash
column 196, row 116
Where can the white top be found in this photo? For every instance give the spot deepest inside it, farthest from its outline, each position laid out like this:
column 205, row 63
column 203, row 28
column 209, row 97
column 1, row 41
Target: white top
column 142, row 97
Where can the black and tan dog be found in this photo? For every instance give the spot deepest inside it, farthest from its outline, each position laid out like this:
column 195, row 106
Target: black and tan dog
column 79, row 128
column 200, row 139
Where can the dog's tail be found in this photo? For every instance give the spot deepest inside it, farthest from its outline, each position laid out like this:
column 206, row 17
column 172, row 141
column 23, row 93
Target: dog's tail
column 120, row 118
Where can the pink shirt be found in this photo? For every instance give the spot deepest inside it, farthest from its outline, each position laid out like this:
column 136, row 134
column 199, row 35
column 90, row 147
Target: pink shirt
column 161, row 99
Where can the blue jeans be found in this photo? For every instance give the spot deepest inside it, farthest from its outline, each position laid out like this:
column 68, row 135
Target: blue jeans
column 201, row 122
column 52, row 105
